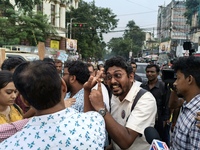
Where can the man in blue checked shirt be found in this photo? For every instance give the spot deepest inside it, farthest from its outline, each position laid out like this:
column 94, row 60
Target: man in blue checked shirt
column 186, row 135
column 75, row 74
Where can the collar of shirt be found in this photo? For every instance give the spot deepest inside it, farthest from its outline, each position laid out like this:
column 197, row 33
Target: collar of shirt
column 157, row 85
column 191, row 104
column 80, row 92
column 132, row 93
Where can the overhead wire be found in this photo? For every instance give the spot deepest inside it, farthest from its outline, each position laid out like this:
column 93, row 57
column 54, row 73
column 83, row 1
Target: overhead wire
column 137, row 13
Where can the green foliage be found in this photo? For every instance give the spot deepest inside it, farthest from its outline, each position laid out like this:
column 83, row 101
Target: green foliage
column 27, row 5
column 36, row 27
column 131, row 41
column 96, row 21
column 192, row 6
column 17, row 26
column 118, row 46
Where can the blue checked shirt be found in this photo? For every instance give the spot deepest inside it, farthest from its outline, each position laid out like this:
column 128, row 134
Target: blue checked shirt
column 79, row 96
column 186, row 135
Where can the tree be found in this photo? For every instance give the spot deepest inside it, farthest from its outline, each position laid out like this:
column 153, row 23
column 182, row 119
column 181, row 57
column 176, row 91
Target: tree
column 132, row 40
column 96, row 21
column 17, row 26
column 26, row 5
column 35, row 27
column 192, row 6
column 135, row 35
column 118, row 46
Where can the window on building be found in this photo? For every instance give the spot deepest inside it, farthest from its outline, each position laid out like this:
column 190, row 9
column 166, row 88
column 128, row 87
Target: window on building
column 40, row 8
column 53, row 13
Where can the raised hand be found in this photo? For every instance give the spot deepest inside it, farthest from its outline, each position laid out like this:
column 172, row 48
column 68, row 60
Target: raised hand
column 96, row 98
column 92, row 81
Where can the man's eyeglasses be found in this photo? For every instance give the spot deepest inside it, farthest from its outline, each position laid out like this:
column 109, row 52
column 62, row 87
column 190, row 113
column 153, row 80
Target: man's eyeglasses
column 115, row 75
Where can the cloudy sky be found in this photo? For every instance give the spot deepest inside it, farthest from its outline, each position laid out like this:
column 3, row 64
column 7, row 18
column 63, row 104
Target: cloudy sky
column 143, row 12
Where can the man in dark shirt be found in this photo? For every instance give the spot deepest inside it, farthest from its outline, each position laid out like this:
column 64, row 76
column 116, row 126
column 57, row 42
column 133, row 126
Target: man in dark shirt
column 157, row 88
column 136, row 77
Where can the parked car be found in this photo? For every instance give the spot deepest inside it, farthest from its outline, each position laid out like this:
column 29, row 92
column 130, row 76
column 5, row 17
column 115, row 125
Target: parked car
column 141, row 71
column 23, row 56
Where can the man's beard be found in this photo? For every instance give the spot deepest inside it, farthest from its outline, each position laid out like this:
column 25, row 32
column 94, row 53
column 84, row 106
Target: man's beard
column 68, row 86
column 151, row 79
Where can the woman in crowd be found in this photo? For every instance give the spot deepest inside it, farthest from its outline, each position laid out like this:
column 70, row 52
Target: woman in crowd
column 9, row 112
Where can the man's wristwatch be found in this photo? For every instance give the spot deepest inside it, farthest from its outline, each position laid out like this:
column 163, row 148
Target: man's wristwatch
column 102, row 111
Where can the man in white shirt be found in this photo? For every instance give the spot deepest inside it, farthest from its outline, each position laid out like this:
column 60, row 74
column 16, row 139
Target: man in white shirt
column 125, row 127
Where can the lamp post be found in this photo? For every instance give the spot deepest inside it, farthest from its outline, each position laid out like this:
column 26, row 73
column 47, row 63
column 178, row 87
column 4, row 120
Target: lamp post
column 70, row 36
column 67, row 28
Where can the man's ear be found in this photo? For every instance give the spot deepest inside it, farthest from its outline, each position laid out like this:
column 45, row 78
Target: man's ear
column 26, row 103
column 131, row 76
column 190, row 79
column 64, row 87
column 72, row 78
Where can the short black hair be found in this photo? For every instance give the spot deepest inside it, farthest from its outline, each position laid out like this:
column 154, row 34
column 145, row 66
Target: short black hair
column 118, row 61
column 57, row 61
column 5, row 78
column 188, row 66
column 39, row 83
column 11, row 63
column 50, row 60
column 133, row 62
column 153, row 65
column 79, row 69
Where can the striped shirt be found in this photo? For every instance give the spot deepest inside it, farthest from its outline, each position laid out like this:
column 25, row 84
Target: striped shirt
column 186, row 135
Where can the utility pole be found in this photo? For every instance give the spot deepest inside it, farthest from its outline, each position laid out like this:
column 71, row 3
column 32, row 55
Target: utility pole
column 160, row 26
column 70, row 36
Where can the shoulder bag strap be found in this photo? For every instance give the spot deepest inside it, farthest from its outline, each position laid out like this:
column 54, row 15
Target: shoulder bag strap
column 17, row 107
column 139, row 94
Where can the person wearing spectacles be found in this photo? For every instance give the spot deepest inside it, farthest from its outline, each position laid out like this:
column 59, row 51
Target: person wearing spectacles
column 125, row 126
column 75, row 74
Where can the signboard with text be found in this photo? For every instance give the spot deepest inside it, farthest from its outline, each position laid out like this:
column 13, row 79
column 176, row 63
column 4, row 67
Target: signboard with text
column 54, row 44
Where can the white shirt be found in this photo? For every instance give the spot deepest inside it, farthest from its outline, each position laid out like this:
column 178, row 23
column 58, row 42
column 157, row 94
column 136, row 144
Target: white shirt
column 66, row 129
column 138, row 83
column 105, row 95
column 141, row 117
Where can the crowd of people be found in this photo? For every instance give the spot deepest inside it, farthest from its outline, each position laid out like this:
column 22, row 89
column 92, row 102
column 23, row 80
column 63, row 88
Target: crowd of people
column 50, row 104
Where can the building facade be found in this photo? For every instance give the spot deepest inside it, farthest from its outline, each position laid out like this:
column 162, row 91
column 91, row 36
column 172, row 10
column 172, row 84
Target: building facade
column 195, row 31
column 172, row 29
column 57, row 11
